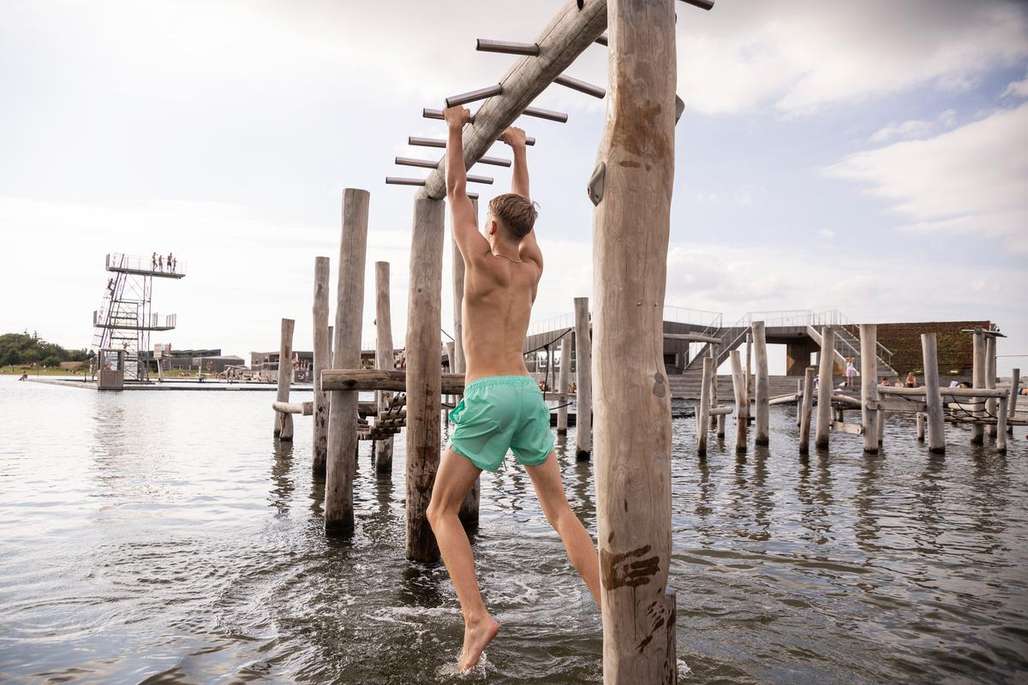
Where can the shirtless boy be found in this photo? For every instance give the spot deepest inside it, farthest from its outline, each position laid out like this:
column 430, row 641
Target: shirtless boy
column 502, row 406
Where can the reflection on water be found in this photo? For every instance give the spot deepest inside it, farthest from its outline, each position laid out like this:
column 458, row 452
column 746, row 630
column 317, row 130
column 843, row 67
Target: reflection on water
column 166, row 537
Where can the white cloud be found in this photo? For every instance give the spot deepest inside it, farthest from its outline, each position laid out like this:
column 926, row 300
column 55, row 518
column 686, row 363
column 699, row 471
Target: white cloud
column 914, row 128
column 804, row 54
column 973, row 179
column 1018, row 89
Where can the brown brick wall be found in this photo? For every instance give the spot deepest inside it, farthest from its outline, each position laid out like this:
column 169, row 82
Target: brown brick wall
column 955, row 348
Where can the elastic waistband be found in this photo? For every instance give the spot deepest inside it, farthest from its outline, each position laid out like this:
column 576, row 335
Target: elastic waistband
column 487, row 381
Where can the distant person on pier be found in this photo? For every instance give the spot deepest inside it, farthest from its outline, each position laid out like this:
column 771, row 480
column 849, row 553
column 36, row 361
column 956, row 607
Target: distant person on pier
column 502, row 407
column 911, row 380
column 851, row 372
column 171, row 263
column 160, row 262
column 153, row 261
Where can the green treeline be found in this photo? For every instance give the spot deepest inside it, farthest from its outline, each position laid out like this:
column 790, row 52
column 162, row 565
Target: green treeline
column 23, row 348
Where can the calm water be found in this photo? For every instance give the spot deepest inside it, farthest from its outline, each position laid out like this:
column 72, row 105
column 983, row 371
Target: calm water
column 165, row 538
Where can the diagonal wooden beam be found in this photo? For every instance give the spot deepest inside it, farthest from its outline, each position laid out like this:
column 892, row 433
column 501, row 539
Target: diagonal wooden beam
column 569, row 33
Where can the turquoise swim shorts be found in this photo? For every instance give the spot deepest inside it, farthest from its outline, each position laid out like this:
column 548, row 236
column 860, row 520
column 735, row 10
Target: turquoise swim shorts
column 499, row 413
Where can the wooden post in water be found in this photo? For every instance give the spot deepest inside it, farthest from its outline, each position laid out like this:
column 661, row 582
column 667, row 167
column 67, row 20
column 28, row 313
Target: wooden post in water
column 799, row 399
column 869, row 385
column 806, row 409
column 1015, row 381
column 714, row 351
column 1001, row 425
column 283, row 421
column 383, row 360
column 563, row 383
column 978, row 378
column 919, row 421
column 933, row 400
column 322, row 360
column 739, row 391
column 763, row 410
column 633, row 398
column 342, row 418
column 424, row 375
column 990, row 381
column 703, row 411
column 583, row 381
column 749, row 371
column 824, row 387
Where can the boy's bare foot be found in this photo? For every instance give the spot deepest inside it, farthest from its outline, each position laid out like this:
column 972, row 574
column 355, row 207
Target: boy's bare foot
column 477, row 635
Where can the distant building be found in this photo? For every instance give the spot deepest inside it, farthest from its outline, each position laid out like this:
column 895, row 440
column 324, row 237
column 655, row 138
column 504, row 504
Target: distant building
column 207, row 360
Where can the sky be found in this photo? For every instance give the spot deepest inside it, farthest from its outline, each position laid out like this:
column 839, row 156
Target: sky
column 867, row 157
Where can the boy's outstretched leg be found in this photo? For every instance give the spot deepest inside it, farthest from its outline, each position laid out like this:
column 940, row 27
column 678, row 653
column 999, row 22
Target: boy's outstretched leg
column 455, row 477
column 579, row 546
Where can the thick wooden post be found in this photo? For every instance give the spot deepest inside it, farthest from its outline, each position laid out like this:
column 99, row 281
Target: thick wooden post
column 383, row 360
column 806, row 409
column 703, row 410
column 283, row 421
column 583, row 380
column 990, row 381
column 563, row 382
column 342, row 418
column 763, row 410
column 933, row 400
column 633, row 399
column 1015, row 382
column 322, row 360
column 919, row 421
column 978, row 381
column 739, row 390
column 869, row 385
column 824, row 387
column 424, row 375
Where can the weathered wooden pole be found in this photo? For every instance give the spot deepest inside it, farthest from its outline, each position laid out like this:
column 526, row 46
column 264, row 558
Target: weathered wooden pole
column 563, row 383
column 633, row 399
column 714, row 351
column 703, row 410
column 583, row 380
column 990, row 382
column 978, row 381
column 284, row 422
column 806, row 409
column 424, row 375
column 824, row 387
column 799, row 399
column 322, row 361
column 739, row 391
column 869, row 385
column 749, row 371
column 1001, row 425
column 383, row 360
column 762, row 409
column 1015, row 382
column 919, row 421
column 933, row 400
column 342, row 417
